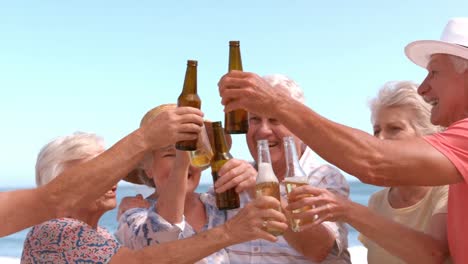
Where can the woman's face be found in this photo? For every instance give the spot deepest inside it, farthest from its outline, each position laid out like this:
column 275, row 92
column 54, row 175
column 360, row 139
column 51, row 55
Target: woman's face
column 107, row 201
column 161, row 167
column 394, row 123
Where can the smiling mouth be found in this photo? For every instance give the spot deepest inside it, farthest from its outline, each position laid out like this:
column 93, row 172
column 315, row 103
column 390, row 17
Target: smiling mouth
column 433, row 102
column 272, row 144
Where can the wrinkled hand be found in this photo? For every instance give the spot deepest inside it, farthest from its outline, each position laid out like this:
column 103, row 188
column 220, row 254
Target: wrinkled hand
column 130, row 202
column 237, row 174
column 248, row 224
column 173, row 125
column 325, row 205
column 248, row 91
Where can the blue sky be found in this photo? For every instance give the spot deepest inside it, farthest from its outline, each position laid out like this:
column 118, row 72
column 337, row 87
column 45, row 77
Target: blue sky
column 98, row 66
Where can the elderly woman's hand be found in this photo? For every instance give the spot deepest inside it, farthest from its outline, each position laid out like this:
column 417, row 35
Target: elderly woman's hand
column 237, row 174
column 323, row 205
column 130, row 202
column 173, row 125
column 252, row 220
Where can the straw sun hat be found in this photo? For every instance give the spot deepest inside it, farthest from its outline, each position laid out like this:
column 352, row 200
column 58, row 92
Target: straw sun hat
column 138, row 175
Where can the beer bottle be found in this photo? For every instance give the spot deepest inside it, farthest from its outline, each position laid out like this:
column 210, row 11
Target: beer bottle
column 294, row 177
column 189, row 97
column 236, row 121
column 230, row 198
column 267, row 182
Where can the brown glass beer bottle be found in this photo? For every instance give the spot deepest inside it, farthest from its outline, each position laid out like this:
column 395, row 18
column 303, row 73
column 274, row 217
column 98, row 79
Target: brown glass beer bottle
column 230, row 198
column 236, row 121
column 189, row 97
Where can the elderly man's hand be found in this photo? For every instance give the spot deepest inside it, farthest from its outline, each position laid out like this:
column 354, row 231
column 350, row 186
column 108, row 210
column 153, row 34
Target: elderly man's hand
column 252, row 220
column 171, row 126
column 248, row 91
column 237, row 174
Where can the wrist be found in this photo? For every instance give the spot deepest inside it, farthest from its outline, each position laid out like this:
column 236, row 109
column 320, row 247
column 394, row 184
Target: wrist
column 227, row 234
column 139, row 139
column 352, row 212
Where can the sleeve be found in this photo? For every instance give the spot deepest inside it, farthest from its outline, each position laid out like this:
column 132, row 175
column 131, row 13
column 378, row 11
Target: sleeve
column 453, row 143
column 439, row 199
column 70, row 241
column 140, row 227
column 329, row 177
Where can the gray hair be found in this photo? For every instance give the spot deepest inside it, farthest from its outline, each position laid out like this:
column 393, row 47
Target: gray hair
column 404, row 94
column 53, row 156
column 287, row 84
column 460, row 64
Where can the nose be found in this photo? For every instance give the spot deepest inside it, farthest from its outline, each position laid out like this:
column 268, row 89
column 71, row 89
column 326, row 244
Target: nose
column 264, row 130
column 424, row 87
column 381, row 135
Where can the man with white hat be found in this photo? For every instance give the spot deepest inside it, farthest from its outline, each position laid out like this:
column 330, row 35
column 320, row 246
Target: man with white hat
column 438, row 159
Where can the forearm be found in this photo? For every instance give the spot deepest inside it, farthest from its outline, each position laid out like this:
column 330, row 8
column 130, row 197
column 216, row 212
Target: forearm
column 409, row 245
column 84, row 183
column 22, row 209
column 314, row 243
column 171, row 200
column 183, row 251
column 374, row 161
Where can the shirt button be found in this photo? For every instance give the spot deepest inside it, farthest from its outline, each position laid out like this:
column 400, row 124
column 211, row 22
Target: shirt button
column 256, row 249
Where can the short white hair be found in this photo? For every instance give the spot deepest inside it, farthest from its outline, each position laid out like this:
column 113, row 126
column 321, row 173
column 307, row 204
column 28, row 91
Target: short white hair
column 404, row 94
column 460, row 64
column 57, row 153
column 287, row 84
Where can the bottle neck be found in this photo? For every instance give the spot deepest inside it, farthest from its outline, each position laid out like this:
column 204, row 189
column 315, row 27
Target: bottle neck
column 265, row 168
column 293, row 169
column 190, row 81
column 235, row 61
column 219, row 140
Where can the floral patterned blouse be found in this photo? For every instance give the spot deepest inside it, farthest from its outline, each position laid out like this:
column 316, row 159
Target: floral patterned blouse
column 67, row 240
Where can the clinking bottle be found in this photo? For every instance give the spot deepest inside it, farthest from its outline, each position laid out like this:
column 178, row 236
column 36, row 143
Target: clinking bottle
column 236, row 121
column 189, row 97
column 294, row 177
column 230, row 198
column 267, row 182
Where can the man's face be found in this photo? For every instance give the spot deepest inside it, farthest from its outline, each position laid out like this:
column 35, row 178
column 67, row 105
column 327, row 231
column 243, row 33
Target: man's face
column 445, row 89
column 273, row 131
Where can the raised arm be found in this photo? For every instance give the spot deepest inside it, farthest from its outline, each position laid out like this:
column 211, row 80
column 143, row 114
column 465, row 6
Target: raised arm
column 171, row 200
column 373, row 161
column 86, row 182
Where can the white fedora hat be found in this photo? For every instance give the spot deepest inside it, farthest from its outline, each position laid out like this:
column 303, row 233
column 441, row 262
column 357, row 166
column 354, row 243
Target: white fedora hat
column 454, row 41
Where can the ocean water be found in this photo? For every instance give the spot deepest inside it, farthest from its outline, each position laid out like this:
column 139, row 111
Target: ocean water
column 11, row 246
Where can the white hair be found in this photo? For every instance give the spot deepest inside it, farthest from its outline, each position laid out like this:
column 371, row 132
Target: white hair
column 460, row 64
column 284, row 82
column 404, row 94
column 53, row 156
